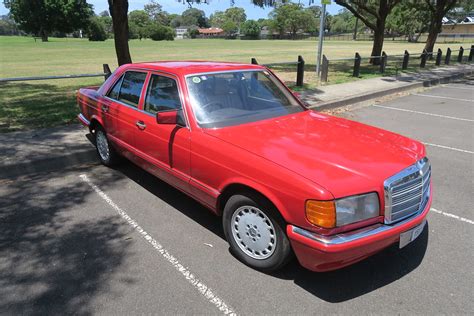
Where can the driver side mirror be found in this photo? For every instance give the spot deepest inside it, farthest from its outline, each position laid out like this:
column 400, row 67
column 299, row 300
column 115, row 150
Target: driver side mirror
column 167, row 117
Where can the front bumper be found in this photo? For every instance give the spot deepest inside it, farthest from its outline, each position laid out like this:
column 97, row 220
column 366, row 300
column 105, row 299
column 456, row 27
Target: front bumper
column 325, row 253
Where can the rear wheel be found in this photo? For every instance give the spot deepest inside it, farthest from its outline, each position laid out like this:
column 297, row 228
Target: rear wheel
column 107, row 154
column 256, row 232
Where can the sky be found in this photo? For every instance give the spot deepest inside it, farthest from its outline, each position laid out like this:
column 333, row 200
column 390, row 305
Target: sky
column 173, row 6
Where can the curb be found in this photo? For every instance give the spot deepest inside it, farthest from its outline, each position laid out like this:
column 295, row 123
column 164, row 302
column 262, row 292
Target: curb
column 48, row 164
column 381, row 93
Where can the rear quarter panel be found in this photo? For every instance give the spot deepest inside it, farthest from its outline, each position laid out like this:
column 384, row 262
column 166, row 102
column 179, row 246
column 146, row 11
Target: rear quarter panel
column 88, row 102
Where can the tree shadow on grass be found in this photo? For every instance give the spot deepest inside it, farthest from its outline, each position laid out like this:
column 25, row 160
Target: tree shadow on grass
column 36, row 105
column 53, row 259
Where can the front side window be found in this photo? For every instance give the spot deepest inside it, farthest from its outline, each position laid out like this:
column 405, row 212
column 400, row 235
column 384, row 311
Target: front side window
column 233, row 98
column 162, row 95
column 131, row 85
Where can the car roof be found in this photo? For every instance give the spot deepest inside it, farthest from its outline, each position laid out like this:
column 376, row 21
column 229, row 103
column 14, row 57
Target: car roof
column 184, row 68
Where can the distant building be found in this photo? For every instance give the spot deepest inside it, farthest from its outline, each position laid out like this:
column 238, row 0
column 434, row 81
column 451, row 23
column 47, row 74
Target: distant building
column 211, row 32
column 180, row 32
column 465, row 26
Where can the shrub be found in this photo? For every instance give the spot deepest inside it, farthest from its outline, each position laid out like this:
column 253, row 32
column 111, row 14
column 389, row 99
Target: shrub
column 161, row 33
column 251, row 29
column 97, row 30
column 193, row 33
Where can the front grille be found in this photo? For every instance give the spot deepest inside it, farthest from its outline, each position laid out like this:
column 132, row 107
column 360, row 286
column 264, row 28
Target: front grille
column 407, row 192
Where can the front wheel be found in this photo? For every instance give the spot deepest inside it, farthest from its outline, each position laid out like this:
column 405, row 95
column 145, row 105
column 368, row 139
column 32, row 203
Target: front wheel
column 256, row 232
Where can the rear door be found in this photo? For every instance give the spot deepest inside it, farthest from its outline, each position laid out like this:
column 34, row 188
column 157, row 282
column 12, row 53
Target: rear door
column 121, row 106
column 166, row 146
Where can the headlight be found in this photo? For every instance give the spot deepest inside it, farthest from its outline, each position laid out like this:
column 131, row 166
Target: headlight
column 330, row 214
column 356, row 208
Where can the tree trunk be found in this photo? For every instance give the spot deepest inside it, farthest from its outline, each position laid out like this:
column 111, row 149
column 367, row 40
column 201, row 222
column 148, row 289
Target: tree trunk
column 118, row 11
column 378, row 42
column 354, row 35
column 440, row 10
column 435, row 28
column 44, row 35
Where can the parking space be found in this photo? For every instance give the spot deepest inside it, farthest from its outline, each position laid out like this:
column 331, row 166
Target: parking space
column 119, row 241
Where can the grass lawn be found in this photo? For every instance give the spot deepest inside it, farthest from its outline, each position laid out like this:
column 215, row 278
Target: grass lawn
column 46, row 103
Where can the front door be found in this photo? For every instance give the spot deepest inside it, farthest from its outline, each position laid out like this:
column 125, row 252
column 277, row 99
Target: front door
column 166, row 146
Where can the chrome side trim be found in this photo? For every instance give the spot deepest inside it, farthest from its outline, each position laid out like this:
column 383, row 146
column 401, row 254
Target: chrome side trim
column 83, row 119
column 349, row 236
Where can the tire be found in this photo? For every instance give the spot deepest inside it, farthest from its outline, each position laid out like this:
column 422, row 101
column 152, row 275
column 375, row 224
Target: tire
column 255, row 231
column 106, row 153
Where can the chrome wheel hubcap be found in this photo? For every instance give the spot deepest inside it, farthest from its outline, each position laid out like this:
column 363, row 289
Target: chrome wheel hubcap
column 102, row 145
column 253, row 231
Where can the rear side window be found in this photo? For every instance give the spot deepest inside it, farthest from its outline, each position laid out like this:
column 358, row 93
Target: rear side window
column 162, row 95
column 129, row 88
column 114, row 92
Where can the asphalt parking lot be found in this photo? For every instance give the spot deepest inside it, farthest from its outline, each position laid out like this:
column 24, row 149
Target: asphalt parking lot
column 91, row 239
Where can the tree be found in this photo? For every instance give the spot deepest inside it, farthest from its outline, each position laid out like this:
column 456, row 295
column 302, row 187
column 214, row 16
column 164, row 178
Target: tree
column 96, row 30
column 344, row 22
column 160, row 32
column 194, row 17
column 236, row 15
column 193, row 33
column 118, row 9
column 217, row 19
column 8, row 26
column 156, row 13
column 437, row 11
column 174, row 17
column 373, row 13
column 106, row 19
column 230, row 28
column 138, row 21
column 42, row 17
column 251, row 29
column 292, row 17
column 410, row 18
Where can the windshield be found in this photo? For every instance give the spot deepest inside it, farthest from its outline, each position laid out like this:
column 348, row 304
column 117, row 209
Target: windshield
column 233, row 98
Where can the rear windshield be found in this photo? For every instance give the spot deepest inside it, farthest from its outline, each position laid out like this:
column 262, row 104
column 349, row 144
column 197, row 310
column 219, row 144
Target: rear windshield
column 233, row 98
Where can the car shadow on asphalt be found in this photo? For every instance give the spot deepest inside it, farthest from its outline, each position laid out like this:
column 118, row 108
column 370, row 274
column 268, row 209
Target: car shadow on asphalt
column 336, row 286
column 363, row 277
column 178, row 200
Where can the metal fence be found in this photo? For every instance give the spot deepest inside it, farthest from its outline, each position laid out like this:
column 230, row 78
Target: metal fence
column 106, row 74
column 392, row 64
column 285, row 65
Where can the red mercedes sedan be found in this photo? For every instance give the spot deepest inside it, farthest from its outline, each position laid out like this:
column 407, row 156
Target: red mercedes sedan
column 285, row 179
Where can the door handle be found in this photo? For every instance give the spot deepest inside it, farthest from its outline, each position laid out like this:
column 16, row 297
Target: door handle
column 141, row 125
column 105, row 108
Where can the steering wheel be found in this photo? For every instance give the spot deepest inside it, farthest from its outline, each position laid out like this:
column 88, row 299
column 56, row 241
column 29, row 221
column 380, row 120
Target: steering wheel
column 216, row 104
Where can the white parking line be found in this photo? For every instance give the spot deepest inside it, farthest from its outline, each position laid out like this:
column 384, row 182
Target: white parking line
column 424, row 113
column 198, row 285
column 450, row 148
column 462, row 219
column 460, row 88
column 440, row 97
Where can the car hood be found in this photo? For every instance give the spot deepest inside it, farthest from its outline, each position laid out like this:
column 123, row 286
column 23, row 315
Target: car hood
column 343, row 156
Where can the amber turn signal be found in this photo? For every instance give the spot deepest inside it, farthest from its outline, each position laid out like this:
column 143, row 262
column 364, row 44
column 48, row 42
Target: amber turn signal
column 321, row 213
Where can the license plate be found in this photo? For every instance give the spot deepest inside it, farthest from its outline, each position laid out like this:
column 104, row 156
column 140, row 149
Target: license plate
column 410, row 235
